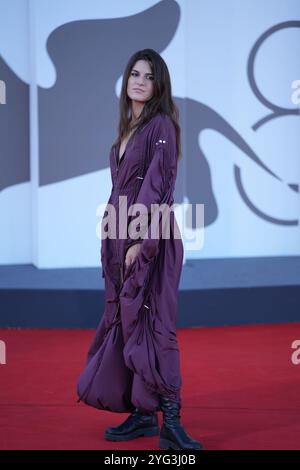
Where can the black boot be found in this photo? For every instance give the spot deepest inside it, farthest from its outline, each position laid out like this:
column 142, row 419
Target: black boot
column 172, row 434
column 135, row 425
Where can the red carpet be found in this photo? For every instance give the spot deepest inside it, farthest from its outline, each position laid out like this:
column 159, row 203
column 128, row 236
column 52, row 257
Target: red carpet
column 240, row 390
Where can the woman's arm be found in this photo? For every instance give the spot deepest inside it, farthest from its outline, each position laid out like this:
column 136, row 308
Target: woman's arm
column 158, row 184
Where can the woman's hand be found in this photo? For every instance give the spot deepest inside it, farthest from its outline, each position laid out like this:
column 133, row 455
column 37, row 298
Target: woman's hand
column 131, row 254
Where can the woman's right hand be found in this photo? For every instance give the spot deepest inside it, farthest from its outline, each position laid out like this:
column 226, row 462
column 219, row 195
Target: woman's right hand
column 131, row 254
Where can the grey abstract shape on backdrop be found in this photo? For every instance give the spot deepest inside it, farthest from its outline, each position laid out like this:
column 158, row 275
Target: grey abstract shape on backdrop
column 277, row 111
column 14, row 130
column 78, row 115
column 198, row 181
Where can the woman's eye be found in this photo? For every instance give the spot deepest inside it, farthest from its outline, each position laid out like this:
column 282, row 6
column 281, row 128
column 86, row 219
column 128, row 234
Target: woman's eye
column 134, row 74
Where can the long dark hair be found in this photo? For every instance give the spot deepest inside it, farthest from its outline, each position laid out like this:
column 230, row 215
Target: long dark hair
column 161, row 100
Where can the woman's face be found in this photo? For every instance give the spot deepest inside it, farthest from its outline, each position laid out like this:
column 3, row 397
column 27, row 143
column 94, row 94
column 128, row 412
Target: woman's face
column 140, row 82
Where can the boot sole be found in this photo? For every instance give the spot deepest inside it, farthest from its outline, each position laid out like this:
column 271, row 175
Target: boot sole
column 166, row 444
column 146, row 432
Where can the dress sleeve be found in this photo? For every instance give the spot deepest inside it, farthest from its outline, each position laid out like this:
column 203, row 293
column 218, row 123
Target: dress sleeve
column 157, row 187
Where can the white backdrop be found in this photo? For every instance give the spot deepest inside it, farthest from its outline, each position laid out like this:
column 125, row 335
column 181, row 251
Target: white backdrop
column 54, row 224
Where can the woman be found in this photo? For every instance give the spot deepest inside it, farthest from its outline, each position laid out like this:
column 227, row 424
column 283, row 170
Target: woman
column 133, row 361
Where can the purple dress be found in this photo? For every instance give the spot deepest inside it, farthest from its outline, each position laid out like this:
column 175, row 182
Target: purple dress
column 134, row 356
